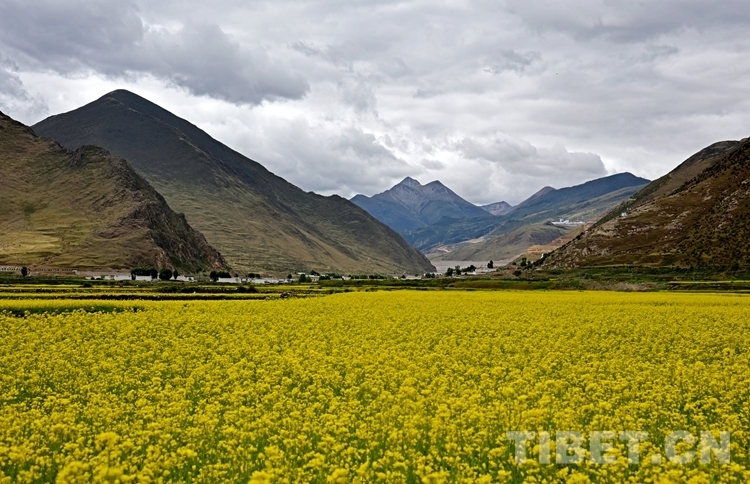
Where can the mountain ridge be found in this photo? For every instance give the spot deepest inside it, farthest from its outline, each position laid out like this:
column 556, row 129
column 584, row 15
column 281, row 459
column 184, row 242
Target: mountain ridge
column 112, row 219
column 409, row 205
column 258, row 220
column 695, row 216
column 497, row 208
column 588, row 201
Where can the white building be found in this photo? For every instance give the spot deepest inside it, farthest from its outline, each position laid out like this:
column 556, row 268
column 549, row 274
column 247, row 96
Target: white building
column 229, row 280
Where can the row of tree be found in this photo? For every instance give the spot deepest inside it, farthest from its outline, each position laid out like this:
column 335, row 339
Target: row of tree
column 458, row 270
column 165, row 274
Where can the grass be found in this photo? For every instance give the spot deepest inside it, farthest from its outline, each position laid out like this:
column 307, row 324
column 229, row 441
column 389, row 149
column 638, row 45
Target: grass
column 31, row 307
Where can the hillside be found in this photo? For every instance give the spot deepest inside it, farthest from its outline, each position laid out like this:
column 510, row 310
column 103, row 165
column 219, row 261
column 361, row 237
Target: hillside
column 259, row 221
column 497, row 208
column 698, row 215
column 410, row 205
column 86, row 210
column 585, row 202
column 502, row 247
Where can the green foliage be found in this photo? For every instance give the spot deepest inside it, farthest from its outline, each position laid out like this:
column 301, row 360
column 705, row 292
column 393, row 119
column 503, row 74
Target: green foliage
column 490, row 265
column 247, row 289
column 144, row 271
column 165, row 274
column 216, row 275
column 24, row 271
column 449, row 272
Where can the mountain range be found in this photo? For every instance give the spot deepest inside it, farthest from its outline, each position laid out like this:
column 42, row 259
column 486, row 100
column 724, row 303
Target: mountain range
column 258, row 221
column 585, row 202
column 87, row 209
column 410, row 205
column 698, row 215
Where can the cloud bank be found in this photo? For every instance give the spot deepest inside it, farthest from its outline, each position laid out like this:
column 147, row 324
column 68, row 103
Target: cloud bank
column 495, row 99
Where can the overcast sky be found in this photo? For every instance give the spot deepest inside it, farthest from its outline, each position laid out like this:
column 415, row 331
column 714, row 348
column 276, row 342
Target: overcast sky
column 494, row 98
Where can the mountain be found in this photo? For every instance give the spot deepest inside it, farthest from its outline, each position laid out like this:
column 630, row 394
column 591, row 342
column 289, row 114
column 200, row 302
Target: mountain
column 410, row 205
column 87, row 209
column 696, row 215
column 498, row 208
column 585, row 202
column 534, row 198
column 259, row 221
column 581, row 201
column 502, row 247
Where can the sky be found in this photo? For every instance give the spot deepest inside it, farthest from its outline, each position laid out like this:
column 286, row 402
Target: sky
column 496, row 98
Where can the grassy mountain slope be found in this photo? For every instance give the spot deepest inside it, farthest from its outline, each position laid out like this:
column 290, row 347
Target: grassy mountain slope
column 579, row 199
column 410, row 205
column 585, row 202
column 697, row 215
column 258, row 220
column 503, row 246
column 86, row 209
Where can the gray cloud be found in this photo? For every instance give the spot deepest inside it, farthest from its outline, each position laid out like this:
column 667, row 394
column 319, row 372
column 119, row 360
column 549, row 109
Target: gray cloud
column 511, row 60
column 73, row 37
column 518, row 156
column 495, row 99
column 15, row 100
column 629, row 21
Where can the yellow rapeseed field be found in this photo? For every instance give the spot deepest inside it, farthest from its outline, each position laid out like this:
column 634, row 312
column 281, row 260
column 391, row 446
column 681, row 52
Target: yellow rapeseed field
column 372, row 387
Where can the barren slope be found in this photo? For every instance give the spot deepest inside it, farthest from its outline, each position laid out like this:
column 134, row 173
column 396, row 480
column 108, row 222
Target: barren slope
column 698, row 215
column 86, row 209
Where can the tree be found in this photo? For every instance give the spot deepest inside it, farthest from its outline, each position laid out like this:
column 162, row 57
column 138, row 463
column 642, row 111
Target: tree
column 449, row 272
column 457, row 270
column 175, row 274
column 490, row 265
column 214, row 276
column 165, row 274
column 24, row 271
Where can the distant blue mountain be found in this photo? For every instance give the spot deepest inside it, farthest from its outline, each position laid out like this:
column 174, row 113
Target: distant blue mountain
column 586, row 202
column 410, row 205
